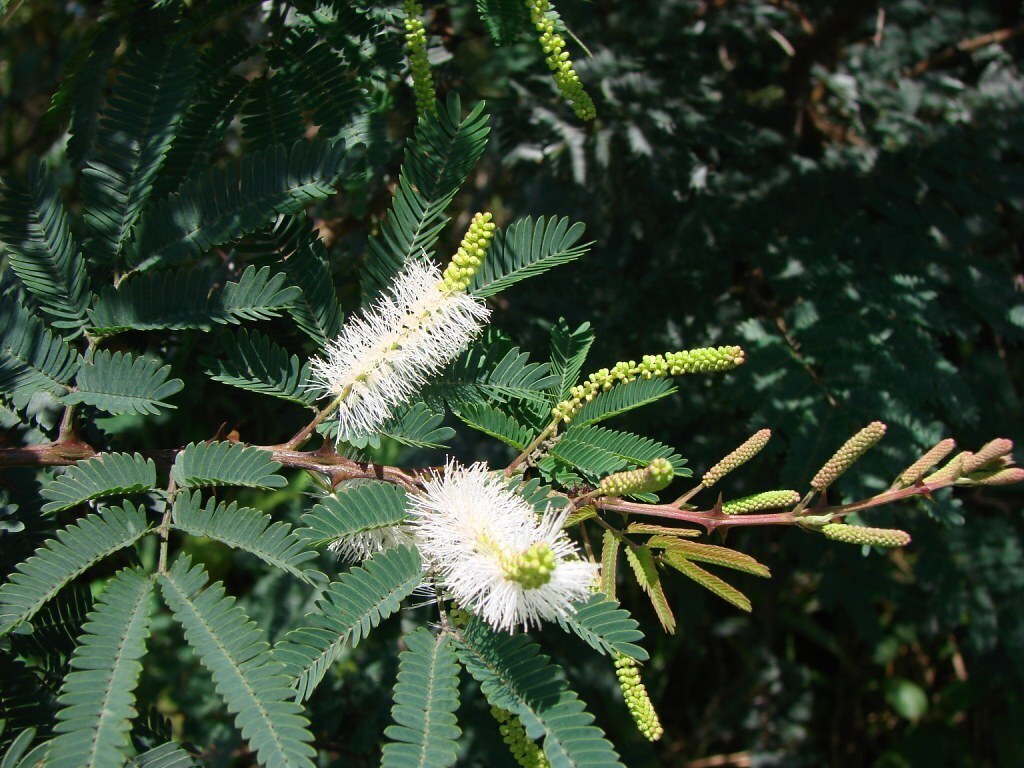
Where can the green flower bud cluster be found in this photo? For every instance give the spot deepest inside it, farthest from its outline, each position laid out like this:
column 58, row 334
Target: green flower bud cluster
column 533, row 568
column 416, row 45
column 875, row 537
column 759, row 502
column 470, row 255
column 748, row 450
column 638, row 702
column 558, row 61
column 952, row 470
column 655, row 476
column 935, row 454
column 459, row 617
column 705, row 360
column 844, row 458
column 524, row 749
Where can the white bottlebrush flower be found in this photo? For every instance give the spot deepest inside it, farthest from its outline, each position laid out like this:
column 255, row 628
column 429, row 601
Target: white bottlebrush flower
column 496, row 556
column 356, row 547
column 385, row 354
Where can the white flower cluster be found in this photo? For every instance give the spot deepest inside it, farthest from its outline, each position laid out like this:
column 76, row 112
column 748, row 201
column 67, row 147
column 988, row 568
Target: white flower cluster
column 493, row 553
column 386, row 354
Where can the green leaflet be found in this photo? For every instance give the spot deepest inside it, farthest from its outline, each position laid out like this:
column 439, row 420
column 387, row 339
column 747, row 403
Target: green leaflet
column 569, row 351
column 506, row 20
column 623, row 398
column 426, row 696
column 41, row 249
column 346, row 612
column 98, row 696
column 201, row 465
column 270, row 116
column 514, row 675
column 181, row 298
column 437, row 161
column 493, row 370
column 31, row 358
column 246, row 676
column 247, row 529
column 491, row 421
column 109, row 474
column 135, row 132
column 525, row 249
column 257, row 364
column 60, row 559
column 645, row 568
column 225, row 204
column 707, row 580
column 120, row 383
column 606, row 627
column 364, row 507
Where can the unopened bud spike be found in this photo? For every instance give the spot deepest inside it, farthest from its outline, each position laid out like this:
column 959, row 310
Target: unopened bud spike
column 875, row 537
column 652, row 478
column 759, row 502
column 748, row 450
column 844, row 458
column 933, row 456
column 987, row 454
column 637, row 700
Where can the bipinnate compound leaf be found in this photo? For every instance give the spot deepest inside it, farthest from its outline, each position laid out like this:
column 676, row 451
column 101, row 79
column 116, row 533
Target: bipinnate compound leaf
column 225, row 204
column 514, row 675
column 604, row 625
column 60, row 559
column 121, row 384
column 31, row 358
column 98, row 696
column 610, row 546
column 232, row 648
column 494, row 371
column 257, row 364
column 247, row 529
column 365, row 507
column 525, row 249
column 496, row 423
column 709, row 553
column 109, row 474
column 633, row 449
column 426, row 696
column 346, row 612
column 437, row 160
column 41, row 249
column 202, row 465
column 135, row 132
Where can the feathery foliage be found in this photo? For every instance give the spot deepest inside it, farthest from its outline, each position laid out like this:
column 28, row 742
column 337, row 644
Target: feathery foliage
column 257, row 364
column 346, row 612
column 232, row 648
column 31, row 358
column 366, row 507
column 202, row 465
column 606, row 627
column 109, row 474
column 119, row 384
column 426, row 697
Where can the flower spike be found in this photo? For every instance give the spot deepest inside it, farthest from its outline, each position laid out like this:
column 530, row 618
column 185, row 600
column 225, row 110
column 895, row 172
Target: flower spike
column 748, row 450
column 844, row 458
column 416, row 44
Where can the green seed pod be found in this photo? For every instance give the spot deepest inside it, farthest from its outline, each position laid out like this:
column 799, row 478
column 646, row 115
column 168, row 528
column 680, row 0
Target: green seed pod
column 952, row 470
column 655, row 476
column 748, row 450
column 638, row 702
column 1001, row 476
column 844, row 458
column 988, row 453
column 470, row 254
column 524, row 749
column 935, row 454
column 761, row 501
column 416, row 46
column 876, row 537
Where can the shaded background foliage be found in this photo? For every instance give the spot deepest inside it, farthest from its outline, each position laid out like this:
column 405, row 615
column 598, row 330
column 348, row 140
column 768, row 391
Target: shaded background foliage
column 828, row 184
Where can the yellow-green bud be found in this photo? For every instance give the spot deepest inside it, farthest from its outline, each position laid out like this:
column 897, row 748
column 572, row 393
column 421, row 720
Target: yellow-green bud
column 566, row 79
column 875, row 537
column 952, row 470
column 533, row 568
column 1002, row 476
column 844, row 458
column 524, row 749
column 638, row 702
column 416, row 45
column 988, row 453
column 470, row 255
column 459, row 617
column 748, row 450
column 655, row 476
column 761, row 501
column 935, row 454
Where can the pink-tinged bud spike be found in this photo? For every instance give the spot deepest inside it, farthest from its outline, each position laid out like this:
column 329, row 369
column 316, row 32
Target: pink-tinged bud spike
column 1006, row 476
column 844, row 458
column 748, row 450
column 988, row 453
column 917, row 470
column 875, row 537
